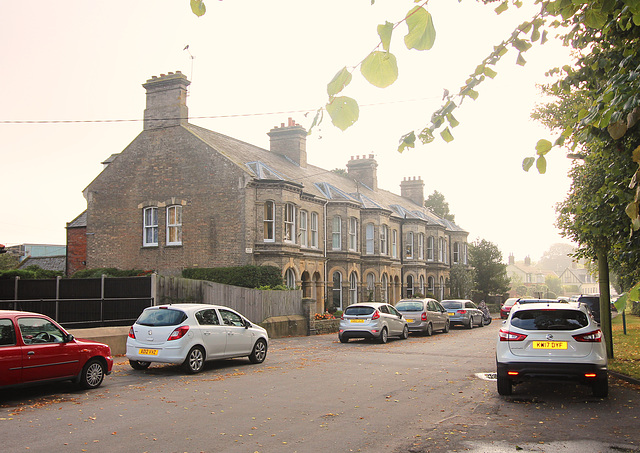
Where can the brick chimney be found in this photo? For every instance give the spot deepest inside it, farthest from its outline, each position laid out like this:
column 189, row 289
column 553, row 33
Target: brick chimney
column 290, row 141
column 365, row 170
column 166, row 101
column 512, row 259
column 413, row 189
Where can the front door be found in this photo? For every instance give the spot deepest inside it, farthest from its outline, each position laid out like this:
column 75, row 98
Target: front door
column 239, row 338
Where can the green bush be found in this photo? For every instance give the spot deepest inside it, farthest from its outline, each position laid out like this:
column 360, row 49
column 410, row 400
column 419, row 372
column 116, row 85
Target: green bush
column 30, row 273
column 109, row 272
column 245, row 276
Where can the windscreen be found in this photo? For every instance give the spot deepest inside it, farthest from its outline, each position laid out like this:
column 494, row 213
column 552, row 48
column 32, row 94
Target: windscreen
column 451, row 304
column 359, row 311
column 549, row 319
column 161, row 317
column 409, row 306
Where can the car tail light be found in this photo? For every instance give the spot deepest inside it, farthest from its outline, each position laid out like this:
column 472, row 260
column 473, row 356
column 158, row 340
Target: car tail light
column 376, row 315
column 513, row 373
column 506, row 335
column 423, row 316
column 132, row 334
column 589, row 337
column 178, row 333
column 462, row 312
column 590, row 375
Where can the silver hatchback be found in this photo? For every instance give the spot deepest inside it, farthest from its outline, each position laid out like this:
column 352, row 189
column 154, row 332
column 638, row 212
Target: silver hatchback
column 463, row 312
column 424, row 315
column 373, row 321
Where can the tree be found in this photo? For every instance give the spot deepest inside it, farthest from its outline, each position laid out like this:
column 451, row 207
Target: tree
column 437, row 204
column 8, row 261
column 490, row 273
column 558, row 257
column 554, row 284
column 461, row 279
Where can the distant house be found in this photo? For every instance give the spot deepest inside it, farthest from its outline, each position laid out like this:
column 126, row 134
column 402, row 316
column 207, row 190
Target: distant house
column 181, row 196
column 581, row 278
column 526, row 273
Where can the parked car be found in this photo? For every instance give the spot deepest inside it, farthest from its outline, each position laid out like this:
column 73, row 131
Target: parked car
column 592, row 301
column 551, row 341
column 506, row 307
column 463, row 312
column 424, row 315
column 373, row 321
column 527, row 300
column 34, row 349
column 190, row 334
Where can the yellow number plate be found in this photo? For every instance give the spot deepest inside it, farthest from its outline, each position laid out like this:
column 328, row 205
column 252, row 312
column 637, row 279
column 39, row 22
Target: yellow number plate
column 451, row 314
column 148, row 351
column 409, row 320
column 549, row 345
column 357, row 320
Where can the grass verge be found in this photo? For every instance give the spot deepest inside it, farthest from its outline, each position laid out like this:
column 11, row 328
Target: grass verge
column 626, row 348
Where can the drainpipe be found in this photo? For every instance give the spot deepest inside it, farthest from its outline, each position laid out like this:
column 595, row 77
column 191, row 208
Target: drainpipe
column 324, row 252
column 402, row 255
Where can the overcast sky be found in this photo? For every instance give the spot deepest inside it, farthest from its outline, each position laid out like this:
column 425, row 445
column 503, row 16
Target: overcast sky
column 256, row 63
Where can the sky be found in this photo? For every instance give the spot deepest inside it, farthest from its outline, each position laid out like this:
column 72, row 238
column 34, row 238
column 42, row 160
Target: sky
column 253, row 64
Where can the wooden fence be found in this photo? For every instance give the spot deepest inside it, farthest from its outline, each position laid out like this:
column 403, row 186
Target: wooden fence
column 257, row 305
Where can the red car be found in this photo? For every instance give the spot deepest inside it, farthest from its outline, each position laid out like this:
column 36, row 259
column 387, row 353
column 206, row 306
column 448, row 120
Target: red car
column 34, row 349
column 506, row 307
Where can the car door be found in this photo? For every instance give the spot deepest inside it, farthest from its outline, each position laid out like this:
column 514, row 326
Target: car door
column 10, row 354
column 239, row 338
column 45, row 354
column 436, row 314
column 476, row 314
column 396, row 322
column 213, row 333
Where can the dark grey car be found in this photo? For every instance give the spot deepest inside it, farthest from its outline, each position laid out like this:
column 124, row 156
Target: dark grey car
column 463, row 312
column 424, row 315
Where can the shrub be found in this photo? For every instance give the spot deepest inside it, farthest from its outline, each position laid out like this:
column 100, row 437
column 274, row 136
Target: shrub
column 245, row 276
column 30, row 273
column 110, row 272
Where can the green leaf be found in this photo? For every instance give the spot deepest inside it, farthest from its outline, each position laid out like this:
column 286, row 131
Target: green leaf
column 422, row 33
column 385, row 31
column 316, row 121
column 541, row 165
column 198, row 8
column 490, row 72
column 621, row 303
column 521, row 45
column 344, row 111
column 521, row 61
column 582, row 113
column 453, row 122
column 594, row 18
column 543, row 147
column 527, row 163
column 339, row 81
column 446, row 135
column 380, row 69
column 502, row 8
column 407, row 141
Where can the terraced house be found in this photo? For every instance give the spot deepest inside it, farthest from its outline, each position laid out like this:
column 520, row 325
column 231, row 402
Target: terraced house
column 183, row 196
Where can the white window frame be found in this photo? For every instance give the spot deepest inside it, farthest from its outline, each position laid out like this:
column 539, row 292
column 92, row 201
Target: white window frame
column 420, row 246
column 456, row 252
column 369, row 241
column 304, row 232
column 353, row 288
column 314, row 230
column 336, row 233
column 409, row 246
column 440, row 250
column 430, row 247
column 150, row 228
column 394, row 244
column 290, row 278
column 353, row 233
column 269, row 234
column 174, row 225
column 289, row 223
column 384, row 240
column 384, row 288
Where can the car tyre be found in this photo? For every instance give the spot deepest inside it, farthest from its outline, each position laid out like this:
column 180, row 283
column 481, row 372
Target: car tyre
column 194, row 362
column 481, row 323
column 259, row 352
column 343, row 339
column 138, row 365
column 384, row 335
column 600, row 388
column 470, row 325
column 447, row 326
column 429, row 330
column 405, row 333
column 505, row 386
column 92, row 374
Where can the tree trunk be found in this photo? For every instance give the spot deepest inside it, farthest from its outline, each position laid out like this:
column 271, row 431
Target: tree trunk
column 605, row 298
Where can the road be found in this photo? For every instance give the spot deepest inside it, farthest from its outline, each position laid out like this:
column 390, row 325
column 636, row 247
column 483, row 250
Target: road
column 424, row 394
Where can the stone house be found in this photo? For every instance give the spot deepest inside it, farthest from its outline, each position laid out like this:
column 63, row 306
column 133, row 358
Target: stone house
column 182, row 196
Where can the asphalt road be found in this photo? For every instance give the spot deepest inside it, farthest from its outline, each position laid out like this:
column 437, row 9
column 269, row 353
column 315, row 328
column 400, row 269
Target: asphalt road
column 424, row 394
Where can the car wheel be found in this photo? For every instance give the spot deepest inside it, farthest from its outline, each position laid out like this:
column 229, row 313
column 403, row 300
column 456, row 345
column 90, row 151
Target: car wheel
column 481, row 323
column 195, row 360
column 429, row 330
column 92, row 374
column 505, row 386
column 138, row 365
column 470, row 325
column 405, row 333
column 600, row 388
column 384, row 335
column 343, row 339
column 259, row 352
column 447, row 326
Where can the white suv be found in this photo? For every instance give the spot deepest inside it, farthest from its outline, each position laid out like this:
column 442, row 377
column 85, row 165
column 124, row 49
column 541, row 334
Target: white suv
column 551, row 341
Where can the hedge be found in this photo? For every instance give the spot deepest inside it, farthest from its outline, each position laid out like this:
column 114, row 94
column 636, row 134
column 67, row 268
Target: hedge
column 245, row 276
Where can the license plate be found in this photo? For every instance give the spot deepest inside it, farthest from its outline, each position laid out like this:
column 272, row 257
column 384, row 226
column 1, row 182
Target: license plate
column 357, row 320
column 549, row 345
column 148, row 351
column 451, row 314
column 409, row 320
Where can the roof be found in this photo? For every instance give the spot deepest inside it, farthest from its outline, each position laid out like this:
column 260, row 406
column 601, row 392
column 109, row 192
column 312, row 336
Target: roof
column 262, row 164
column 48, row 263
column 78, row 222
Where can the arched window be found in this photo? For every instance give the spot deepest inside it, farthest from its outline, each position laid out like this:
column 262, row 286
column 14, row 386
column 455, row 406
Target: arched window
column 353, row 288
column 409, row 286
column 371, row 287
column 336, row 235
column 421, row 280
column 268, row 222
column 150, row 236
column 174, row 225
column 337, row 290
column 384, row 288
column 431, row 283
column 369, row 238
column 441, row 288
column 290, row 278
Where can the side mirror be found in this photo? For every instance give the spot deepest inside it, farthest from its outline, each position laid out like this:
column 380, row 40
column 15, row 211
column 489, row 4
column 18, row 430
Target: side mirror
column 68, row 338
column 247, row 323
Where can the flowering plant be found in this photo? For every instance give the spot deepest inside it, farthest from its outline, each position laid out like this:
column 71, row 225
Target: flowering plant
column 325, row 315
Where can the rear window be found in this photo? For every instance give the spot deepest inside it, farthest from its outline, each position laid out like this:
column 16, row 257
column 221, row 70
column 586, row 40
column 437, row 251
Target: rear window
column 549, row 319
column 161, row 317
column 409, row 306
column 451, row 304
column 359, row 311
